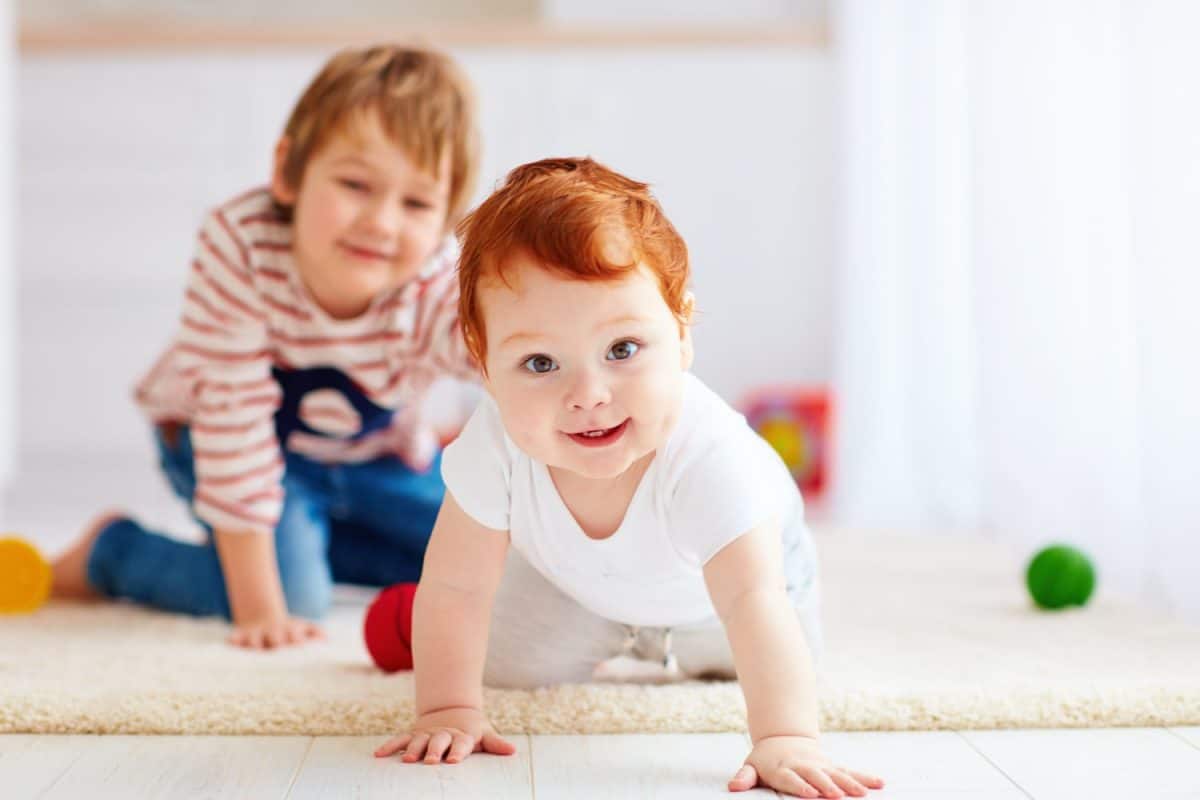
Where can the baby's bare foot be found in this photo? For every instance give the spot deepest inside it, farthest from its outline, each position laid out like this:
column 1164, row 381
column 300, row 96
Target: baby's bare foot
column 70, row 568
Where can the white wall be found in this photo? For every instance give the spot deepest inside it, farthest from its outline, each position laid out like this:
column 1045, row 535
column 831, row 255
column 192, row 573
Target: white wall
column 8, row 279
column 690, row 11
column 120, row 155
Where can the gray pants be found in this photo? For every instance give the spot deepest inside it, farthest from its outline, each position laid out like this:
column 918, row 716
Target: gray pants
column 541, row 636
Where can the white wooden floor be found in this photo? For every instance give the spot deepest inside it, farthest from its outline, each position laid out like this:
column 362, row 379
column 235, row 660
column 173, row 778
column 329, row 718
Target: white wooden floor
column 978, row 765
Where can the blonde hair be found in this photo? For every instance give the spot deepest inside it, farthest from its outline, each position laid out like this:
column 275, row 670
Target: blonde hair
column 565, row 212
column 424, row 101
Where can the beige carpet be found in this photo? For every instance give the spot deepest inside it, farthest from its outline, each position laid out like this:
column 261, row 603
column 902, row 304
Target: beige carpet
column 921, row 634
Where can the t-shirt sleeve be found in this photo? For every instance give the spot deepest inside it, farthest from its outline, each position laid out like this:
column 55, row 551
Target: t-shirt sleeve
column 477, row 468
column 726, row 491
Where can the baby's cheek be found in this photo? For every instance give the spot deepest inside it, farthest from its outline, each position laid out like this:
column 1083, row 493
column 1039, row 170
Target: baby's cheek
column 526, row 433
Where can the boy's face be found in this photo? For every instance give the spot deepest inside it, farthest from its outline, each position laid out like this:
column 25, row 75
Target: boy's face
column 587, row 376
column 366, row 218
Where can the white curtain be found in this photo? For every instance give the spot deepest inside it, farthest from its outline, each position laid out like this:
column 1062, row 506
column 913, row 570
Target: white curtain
column 1019, row 277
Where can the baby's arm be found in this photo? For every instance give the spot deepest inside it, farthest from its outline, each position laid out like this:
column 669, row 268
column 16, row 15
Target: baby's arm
column 451, row 615
column 775, row 670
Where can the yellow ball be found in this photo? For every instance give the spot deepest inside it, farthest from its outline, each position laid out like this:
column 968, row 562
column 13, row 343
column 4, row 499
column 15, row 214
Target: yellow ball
column 24, row 577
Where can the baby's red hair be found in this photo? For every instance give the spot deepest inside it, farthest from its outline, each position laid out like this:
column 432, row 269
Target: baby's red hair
column 577, row 218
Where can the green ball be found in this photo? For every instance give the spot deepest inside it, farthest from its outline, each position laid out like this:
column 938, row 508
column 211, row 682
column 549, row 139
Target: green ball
column 1060, row 576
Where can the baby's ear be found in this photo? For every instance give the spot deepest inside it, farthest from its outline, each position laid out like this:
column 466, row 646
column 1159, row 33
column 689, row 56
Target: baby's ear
column 686, row 350
column 689, row 306
column 283, row 192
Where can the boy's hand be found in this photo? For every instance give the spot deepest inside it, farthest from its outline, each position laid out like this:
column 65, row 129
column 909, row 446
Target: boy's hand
column 452, row 732
column 272, row 633
column 795, row 765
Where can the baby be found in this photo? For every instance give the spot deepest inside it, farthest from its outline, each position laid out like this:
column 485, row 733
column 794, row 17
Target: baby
column 645, row 517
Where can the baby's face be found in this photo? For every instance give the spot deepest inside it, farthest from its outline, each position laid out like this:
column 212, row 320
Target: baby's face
column 366, row 218
column 588, row 377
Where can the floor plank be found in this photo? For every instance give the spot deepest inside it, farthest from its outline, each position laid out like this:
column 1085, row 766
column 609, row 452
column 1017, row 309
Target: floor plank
column 921, row 764
column 1190, row 735
column 638, row 765
column 181, row 766
column 344, row 766
column 31, row 764
column 1094, row 763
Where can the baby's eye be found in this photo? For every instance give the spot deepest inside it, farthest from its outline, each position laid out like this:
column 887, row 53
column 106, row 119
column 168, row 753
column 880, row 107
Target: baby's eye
column 622, row 350
column 354, row 185
column 539, row 364
column 418, row 204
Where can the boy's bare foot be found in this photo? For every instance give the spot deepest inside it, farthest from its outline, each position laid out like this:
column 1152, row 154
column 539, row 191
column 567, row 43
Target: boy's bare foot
column 70, row 568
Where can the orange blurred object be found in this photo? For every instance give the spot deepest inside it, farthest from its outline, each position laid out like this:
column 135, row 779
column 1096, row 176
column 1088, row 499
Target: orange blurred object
column 24, row 577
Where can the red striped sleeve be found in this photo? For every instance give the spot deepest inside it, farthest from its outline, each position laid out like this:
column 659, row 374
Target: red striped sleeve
column 194, row 300
column 214, row 286
column 235, row 517
column 240, row 452
column 221, row 355
column 286, row 308
column 203, row 327
column 240, row 402
column 274, row 467
column 223, row 221
column 261, row 218
column 239, row 467
column 335, row 341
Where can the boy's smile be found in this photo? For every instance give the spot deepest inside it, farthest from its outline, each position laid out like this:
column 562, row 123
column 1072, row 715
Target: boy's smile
column 587, row 375
column 366, row 218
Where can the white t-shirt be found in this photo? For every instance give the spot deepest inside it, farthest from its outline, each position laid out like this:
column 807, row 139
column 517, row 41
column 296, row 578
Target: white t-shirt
column 714, row 480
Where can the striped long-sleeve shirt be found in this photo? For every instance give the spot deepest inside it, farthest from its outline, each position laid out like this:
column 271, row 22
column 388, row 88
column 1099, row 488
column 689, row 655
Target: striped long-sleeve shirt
column 253, row 348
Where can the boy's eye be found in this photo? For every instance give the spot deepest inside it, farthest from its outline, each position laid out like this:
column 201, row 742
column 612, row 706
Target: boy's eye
column 539, row 364
column 418, row 203
column 622, row 350
column 354, row 185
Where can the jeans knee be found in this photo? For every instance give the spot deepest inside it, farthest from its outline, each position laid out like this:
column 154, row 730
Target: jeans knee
column 308, row 596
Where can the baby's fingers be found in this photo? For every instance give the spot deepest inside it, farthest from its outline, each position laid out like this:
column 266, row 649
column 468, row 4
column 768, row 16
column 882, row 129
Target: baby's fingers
column 437, row 747
column 496, row 744
column 416, row 747
column 393, row 746
column 785, row 780
column 865, row 778
column 745, row 779
column 848, row 783
column 820, row 781
column 462, row 746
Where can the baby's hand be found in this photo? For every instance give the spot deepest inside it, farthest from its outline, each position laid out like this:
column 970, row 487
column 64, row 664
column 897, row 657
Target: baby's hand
column 795, row 765
column 452, row 732
column 269, row 634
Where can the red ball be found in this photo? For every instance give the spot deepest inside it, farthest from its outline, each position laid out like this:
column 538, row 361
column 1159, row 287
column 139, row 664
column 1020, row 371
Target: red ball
column 387, row 627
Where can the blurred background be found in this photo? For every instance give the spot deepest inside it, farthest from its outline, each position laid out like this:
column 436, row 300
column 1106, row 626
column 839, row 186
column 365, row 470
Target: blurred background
column 972, row 224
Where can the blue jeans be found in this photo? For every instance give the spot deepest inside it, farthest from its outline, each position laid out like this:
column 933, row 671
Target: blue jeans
column 350, row 523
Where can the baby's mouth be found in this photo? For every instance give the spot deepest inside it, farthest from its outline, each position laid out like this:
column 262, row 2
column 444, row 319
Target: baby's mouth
column 600, row 436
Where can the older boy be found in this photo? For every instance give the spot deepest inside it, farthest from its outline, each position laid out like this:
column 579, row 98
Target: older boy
column 318, row 312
